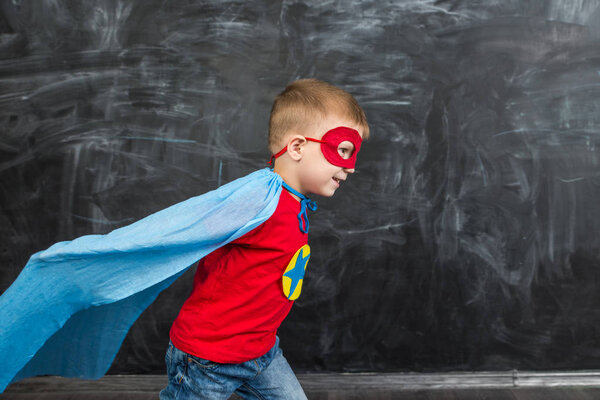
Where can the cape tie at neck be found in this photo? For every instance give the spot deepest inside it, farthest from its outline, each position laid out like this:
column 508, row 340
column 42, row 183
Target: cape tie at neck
column 305, row 203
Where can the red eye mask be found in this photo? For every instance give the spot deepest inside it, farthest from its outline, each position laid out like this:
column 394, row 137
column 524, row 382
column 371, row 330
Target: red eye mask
column 329, row 146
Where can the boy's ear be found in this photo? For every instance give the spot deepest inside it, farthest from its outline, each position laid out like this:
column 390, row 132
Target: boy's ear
column 295, row 147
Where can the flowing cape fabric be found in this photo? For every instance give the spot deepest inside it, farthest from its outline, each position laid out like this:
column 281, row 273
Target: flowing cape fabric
column 69, row 310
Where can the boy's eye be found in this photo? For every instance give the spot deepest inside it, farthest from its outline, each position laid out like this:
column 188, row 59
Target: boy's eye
column 345, row 149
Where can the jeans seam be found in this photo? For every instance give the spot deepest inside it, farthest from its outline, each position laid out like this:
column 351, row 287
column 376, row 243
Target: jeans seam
column 258, row 370
column 179, row 384
column 253, row 391
column 184, row 373
column 171, row 356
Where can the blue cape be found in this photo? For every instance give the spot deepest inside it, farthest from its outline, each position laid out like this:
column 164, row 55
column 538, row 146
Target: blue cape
column 85, row 294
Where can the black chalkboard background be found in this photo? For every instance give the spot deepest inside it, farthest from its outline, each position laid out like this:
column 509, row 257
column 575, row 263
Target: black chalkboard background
column 467, row 240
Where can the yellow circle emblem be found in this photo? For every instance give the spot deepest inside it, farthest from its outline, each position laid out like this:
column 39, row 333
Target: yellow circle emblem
column 294, row 273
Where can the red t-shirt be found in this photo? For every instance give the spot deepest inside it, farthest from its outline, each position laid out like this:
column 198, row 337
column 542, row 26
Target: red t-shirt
column 244, row 290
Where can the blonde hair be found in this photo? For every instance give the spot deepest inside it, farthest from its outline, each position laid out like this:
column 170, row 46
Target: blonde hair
column 304, row 102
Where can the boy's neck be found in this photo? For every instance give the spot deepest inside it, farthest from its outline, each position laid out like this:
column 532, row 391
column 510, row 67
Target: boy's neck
column 286, row 178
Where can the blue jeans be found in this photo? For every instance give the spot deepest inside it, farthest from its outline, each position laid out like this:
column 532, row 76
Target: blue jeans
column 267, row 377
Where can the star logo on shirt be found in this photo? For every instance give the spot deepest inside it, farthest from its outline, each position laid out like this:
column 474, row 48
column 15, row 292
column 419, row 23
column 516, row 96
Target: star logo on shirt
column 294, row 273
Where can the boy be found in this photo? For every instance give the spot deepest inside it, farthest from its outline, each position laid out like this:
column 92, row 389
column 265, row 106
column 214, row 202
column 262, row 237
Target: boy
column 224, row 338
column 70, row 308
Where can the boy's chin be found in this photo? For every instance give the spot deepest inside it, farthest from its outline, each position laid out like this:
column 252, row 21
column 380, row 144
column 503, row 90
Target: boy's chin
column 323, row 193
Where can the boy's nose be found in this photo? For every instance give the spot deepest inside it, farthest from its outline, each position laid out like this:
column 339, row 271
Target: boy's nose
column 349, row 170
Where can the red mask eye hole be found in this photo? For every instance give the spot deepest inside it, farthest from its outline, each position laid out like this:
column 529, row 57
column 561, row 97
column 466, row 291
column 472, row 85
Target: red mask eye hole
column 345, row 149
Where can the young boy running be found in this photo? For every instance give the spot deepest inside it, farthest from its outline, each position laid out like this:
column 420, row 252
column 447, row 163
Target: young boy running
column 70, row 308
column 224, row 338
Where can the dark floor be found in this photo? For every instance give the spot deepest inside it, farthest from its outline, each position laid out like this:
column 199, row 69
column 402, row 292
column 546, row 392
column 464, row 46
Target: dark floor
column 481, row 386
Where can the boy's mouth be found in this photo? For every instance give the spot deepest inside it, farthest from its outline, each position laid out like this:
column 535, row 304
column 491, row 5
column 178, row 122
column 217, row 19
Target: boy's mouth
column 337, row 180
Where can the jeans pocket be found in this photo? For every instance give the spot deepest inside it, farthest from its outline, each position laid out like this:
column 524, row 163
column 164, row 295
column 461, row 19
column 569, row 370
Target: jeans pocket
column 201, row 362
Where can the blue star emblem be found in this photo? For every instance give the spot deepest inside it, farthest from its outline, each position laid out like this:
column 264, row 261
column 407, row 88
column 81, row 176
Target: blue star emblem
column 296, row 274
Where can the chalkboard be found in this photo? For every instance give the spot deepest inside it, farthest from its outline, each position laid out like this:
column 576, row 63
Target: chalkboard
column 469, row 237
